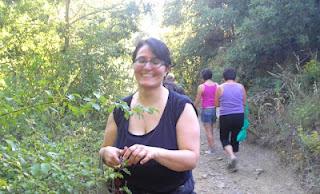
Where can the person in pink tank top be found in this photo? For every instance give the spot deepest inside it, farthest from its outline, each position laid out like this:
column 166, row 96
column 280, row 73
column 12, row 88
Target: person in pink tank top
column 206, row 95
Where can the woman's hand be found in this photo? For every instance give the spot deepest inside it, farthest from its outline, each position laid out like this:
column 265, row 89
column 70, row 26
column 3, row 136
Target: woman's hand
column 111, row 156
column 139, row 154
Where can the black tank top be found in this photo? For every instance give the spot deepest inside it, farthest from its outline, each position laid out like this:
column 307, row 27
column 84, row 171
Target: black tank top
column 153, row 177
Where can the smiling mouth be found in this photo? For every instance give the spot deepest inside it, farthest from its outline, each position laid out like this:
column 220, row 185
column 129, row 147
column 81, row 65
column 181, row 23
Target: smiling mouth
column 147, row 75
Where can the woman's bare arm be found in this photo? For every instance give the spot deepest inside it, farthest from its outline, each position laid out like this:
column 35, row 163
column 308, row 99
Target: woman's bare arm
column 111, row 155
column 217, row 96
column 198, row 96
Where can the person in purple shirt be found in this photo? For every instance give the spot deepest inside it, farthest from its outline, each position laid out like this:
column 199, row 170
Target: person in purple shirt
column 231, row 98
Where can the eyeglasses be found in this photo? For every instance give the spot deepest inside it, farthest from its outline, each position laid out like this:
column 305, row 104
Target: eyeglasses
column 154, row 62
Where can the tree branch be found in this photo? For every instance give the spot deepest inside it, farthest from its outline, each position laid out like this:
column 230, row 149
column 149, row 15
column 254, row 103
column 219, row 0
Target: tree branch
column 27, row 107
column 89, row 14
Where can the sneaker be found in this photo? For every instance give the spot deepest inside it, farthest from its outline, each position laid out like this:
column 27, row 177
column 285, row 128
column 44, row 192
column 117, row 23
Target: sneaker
column 209, row 152
column 232, row 166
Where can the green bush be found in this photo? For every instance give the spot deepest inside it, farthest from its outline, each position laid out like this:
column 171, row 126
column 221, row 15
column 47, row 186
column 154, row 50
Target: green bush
column 311, row 72
column 305, row 112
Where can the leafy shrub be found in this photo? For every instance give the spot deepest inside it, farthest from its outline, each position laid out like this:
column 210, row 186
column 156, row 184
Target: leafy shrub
column 311, row 72
column 287, row 118
column 305, row 112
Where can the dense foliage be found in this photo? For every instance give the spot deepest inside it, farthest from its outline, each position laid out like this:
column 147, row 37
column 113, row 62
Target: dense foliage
column 251, row 35
column 62, row 64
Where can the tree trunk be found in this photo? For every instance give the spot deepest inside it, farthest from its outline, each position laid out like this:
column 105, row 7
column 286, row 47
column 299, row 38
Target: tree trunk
column 66, row 32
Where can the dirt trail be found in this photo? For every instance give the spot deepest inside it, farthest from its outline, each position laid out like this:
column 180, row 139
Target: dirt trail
column 259, row 172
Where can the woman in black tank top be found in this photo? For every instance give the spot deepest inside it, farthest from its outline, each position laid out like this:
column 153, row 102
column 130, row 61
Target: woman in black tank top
column 160, row 149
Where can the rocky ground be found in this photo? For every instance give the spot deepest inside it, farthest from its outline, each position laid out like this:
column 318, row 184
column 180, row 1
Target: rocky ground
column 259, row 172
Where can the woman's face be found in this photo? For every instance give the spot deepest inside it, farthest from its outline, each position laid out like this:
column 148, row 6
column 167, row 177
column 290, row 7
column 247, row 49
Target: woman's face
column 148, row 69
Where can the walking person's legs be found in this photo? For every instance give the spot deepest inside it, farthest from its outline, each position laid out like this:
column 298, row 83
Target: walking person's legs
column 225, row 135
column 230, row 126
column 209, row 134
column 208, row 118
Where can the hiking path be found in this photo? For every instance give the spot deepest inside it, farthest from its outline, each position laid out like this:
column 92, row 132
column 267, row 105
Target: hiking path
column 259, row 172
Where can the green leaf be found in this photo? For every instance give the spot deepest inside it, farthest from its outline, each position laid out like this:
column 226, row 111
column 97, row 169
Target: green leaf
column 36, row 169
column 45, row 167
column 12, row 144
column 96, row 106
column 74, row 110
column 48, row 92
column 97, row 95
column 70, row 97
column 126, row 171
column 87, row 99
column 90, row 184
column 110, row 108
column 3, row 183
column 9, row 99
column 53, row 155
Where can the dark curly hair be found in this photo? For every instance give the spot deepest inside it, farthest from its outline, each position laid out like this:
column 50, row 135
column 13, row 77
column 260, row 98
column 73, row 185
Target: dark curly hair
column 206, row 74
column 159, row 49
column 229, row 74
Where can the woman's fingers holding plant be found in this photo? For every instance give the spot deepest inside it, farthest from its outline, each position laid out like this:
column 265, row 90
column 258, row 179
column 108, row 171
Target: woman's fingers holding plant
column 149, row 156
column 111, row 156
column 138, row 153
column 133, row 154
